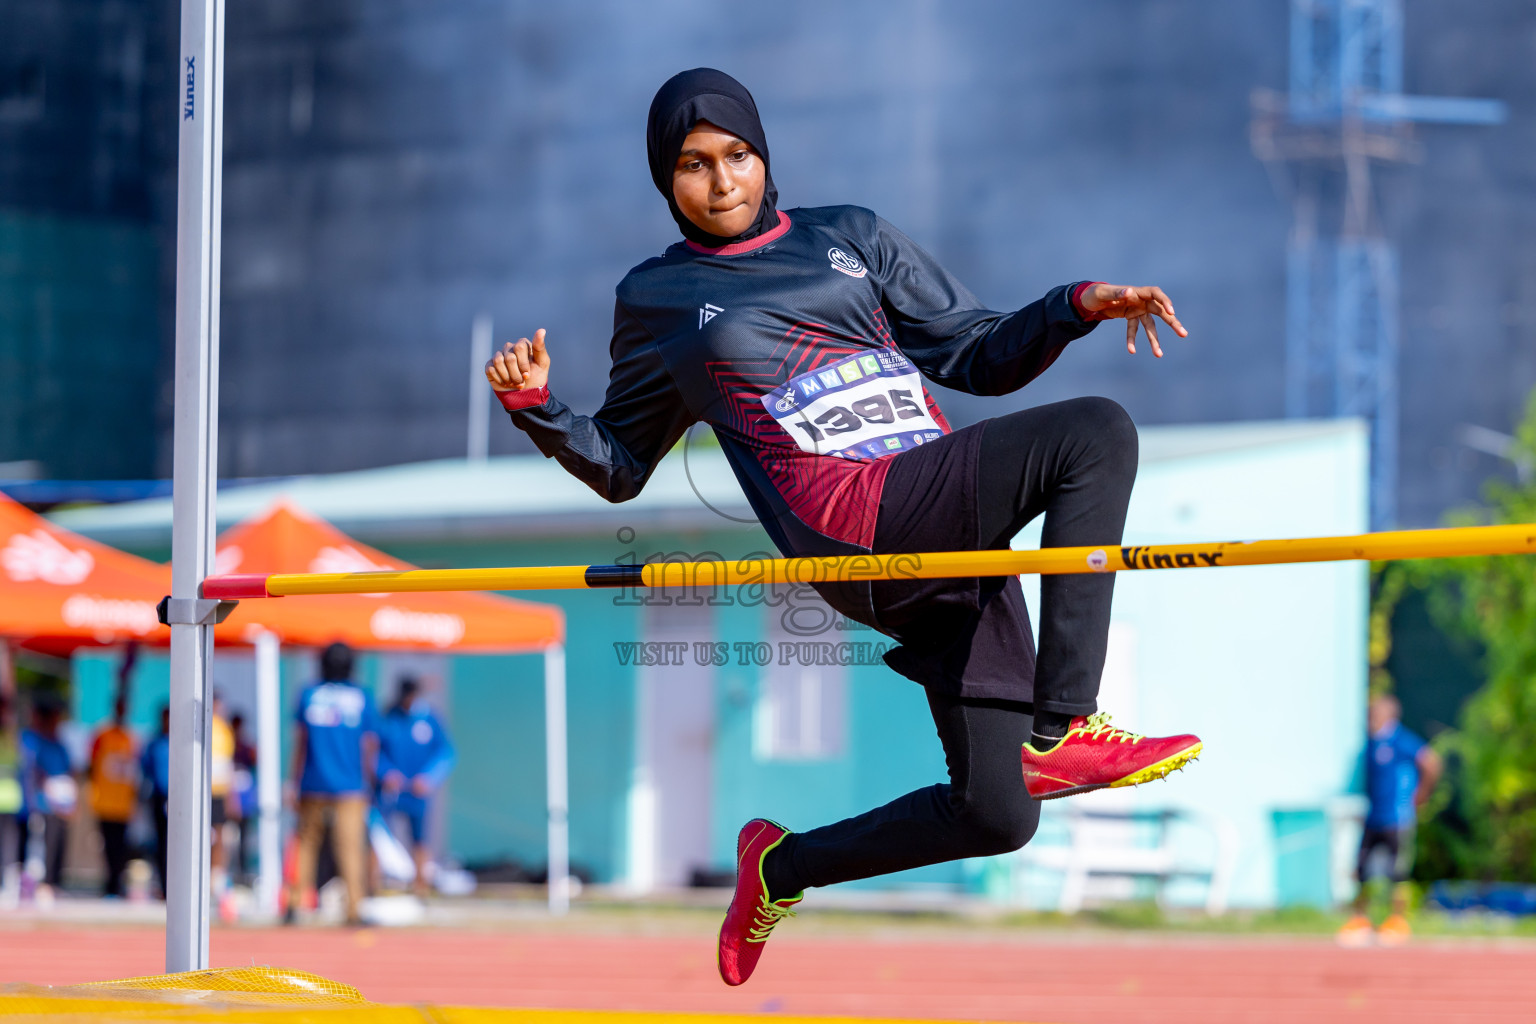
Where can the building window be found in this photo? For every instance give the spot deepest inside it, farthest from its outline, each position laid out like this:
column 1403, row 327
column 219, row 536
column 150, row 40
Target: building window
column 801, row 712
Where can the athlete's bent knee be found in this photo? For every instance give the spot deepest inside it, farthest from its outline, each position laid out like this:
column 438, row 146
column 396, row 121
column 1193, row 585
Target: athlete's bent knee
column 1105, row 418
column 1004, row 829
column 1110, row 428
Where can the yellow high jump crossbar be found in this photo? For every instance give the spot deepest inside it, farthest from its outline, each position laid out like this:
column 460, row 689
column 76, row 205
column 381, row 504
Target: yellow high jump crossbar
column 1451, row 542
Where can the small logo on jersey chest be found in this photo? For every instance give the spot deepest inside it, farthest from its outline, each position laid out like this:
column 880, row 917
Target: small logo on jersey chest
column 708, row 312
column 849, row 265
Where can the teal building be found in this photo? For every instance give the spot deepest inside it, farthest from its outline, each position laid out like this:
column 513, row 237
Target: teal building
column 690, row 713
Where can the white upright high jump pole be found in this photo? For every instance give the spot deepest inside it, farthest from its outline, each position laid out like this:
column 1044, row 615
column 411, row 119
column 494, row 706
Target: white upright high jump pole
column 479, row 444
column 556, row 779
column 194, row 460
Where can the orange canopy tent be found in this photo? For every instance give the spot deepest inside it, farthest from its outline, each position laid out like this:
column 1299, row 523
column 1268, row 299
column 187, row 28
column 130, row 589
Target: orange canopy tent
column 286, row 539
column 59, row 591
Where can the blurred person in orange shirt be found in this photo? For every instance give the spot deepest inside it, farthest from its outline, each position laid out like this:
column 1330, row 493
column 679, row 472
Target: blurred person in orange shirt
column 114, row 777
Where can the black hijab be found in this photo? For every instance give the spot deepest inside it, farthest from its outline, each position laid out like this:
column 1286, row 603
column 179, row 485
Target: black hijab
column 687, row 98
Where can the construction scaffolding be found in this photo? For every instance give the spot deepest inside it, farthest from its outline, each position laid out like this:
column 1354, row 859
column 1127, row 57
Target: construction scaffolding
column 1344, row 113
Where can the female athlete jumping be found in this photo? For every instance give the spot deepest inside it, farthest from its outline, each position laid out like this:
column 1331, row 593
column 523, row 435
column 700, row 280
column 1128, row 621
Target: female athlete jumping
column 802, row 338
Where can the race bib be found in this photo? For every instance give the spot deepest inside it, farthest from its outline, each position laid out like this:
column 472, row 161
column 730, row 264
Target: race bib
column 860, row 407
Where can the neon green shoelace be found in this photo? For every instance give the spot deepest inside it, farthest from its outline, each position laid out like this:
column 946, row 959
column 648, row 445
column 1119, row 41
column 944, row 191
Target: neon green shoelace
column 768, row 914
column 1098, row 725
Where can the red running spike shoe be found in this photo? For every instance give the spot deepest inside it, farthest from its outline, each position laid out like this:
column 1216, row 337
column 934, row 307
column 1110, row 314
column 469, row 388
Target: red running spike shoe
column 751, row 915
column 1096, row 755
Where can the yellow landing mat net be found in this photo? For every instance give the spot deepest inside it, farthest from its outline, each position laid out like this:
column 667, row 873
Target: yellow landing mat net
column 248, row 995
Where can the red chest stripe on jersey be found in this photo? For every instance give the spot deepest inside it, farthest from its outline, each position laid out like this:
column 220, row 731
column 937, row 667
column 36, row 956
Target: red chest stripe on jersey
column 936, row 413
column 838, row 498
column 882, row 327
column 741, row 381
column 803, row 340
column 883, row 332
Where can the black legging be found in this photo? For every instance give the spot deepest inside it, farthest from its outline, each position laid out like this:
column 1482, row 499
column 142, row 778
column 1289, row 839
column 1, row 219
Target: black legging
column 982, row 810
column 114, row 847
column 1075, row 462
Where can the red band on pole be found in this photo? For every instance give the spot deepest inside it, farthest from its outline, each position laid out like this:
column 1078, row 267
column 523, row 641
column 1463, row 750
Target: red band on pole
column 236, row 587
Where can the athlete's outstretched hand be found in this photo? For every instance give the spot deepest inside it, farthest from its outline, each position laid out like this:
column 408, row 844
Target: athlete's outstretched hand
column 520, row 367
column 1135, row 304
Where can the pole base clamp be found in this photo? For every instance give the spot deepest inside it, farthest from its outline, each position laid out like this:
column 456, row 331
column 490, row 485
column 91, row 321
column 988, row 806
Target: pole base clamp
column 193, row 611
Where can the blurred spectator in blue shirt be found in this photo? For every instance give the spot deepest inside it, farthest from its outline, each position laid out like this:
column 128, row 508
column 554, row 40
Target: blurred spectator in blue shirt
column 50, row 787
column 415, row 757
column 155, row 770
column 336, row 731
column 1400, row 774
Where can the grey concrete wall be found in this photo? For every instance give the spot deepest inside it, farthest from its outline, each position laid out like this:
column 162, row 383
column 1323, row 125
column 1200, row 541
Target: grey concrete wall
column 87, row 129
column 1466, row 220
column 395, row 166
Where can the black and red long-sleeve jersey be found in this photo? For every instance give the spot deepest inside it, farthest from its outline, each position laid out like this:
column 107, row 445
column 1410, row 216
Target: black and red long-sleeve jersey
column 805, row 349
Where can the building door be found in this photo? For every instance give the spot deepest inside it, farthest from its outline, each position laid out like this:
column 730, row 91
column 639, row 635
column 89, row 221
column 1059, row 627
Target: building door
column 669, row 811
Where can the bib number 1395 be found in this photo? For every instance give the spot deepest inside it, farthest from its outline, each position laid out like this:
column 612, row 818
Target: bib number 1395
column 862, row 406
column 894, row 405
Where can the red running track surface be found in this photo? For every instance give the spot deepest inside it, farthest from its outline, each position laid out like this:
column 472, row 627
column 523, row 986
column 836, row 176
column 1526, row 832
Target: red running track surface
column 1148, row 979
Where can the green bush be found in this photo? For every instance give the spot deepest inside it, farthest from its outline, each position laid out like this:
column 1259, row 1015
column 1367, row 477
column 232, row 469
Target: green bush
column 1482, row 822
